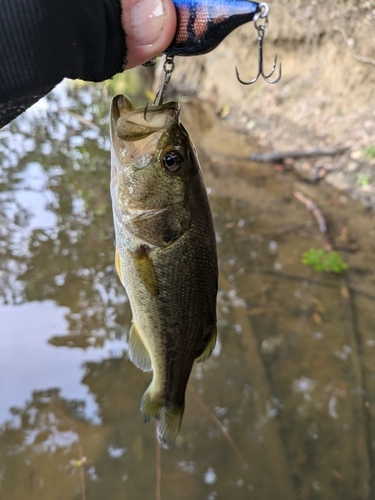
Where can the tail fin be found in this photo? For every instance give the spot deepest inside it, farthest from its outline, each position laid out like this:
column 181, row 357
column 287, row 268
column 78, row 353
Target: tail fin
column 169, row 418
column 169, row 424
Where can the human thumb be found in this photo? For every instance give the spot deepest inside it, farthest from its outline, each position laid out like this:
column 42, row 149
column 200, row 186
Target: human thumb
column 149, row 26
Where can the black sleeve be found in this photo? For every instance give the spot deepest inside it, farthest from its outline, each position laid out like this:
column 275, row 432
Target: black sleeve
column 43, row 41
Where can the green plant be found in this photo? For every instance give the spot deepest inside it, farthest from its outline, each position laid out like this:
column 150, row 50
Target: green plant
column 370, row 151
column 363, row 179
column 320, row 260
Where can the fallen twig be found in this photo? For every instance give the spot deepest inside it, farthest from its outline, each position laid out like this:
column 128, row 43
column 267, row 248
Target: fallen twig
column 217, row 422
column 158, row 467
column 349, row 43
column 317, row 213
column 280, row 156
column 82, row 460
column 310, row 205
column 81, row 119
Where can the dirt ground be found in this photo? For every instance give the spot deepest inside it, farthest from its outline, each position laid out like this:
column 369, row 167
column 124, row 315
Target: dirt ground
column 326, row 96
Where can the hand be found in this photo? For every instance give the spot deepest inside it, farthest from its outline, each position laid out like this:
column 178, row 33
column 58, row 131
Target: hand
column 150, row 26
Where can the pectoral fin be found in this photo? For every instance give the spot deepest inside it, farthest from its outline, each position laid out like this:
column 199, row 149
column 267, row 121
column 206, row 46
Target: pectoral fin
column 138, row 352
column 145, row 269
column 210, row 346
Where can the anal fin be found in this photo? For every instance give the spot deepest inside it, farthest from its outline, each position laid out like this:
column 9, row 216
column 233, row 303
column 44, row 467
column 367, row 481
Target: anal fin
column 150, row 408
column 138, row 352
column 209, row 347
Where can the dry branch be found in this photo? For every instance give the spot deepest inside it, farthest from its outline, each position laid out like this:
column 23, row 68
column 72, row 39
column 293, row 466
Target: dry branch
column 217, row 422
column 318, row 215
column 158, row 466
column 82, row 460
column 349, row 43
column 280, row 156
column 310, row 205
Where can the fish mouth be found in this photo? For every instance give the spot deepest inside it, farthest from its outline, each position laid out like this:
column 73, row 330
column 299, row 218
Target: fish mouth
column 131, row 124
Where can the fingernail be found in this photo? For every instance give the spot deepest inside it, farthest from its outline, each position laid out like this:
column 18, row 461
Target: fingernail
column 148, row 20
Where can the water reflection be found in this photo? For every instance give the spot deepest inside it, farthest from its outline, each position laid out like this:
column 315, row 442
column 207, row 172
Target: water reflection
column 60, row 181
column 279, row 411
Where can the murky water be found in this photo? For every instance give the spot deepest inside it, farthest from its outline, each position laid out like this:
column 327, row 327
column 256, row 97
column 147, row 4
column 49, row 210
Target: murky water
column 284, row 408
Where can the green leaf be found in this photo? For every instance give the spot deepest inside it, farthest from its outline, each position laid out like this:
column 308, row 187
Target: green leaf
column 320, row 260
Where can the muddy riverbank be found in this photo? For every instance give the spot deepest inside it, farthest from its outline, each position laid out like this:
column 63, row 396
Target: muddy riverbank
column 326, row 96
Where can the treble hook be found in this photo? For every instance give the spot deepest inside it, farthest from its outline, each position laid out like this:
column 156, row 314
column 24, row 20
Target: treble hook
column 261, row 28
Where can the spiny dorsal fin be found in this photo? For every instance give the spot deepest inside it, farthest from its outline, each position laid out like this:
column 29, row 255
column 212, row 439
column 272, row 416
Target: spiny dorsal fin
column 210, row 346
column 138, row 352
column 145, row 269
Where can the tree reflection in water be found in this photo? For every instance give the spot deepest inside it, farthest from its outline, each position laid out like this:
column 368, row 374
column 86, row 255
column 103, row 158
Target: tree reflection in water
column 71, row 261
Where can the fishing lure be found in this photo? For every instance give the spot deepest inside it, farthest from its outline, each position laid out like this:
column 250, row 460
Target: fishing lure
column 203, row 24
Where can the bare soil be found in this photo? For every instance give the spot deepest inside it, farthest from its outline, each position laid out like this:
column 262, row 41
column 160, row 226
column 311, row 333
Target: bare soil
column 326, row 96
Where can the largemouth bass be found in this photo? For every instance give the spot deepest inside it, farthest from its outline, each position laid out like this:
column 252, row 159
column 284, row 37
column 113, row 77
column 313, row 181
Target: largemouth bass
column 165, row 253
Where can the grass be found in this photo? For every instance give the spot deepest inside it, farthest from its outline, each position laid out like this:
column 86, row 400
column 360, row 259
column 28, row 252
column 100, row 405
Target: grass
column 320, row 260
column 370, row 152
column 363, row 179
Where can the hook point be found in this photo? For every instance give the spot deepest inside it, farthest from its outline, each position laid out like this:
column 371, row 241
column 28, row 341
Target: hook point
column 145, row 112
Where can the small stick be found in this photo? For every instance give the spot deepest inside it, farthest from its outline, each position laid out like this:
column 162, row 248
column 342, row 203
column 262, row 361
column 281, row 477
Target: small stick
column 158, row 467
column 310, row 205
column 82, row 460
column 317, row 213
column 81, row 119
column 217, row 422
column 279, row 157
column 363, row 59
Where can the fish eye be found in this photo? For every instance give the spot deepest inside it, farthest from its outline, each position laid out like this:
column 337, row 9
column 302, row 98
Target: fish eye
column 172, row 160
